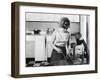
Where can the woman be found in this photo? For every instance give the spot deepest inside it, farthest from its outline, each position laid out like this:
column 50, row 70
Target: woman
column 60, row 41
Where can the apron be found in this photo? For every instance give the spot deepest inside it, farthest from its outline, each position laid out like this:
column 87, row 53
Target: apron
column 58, row 56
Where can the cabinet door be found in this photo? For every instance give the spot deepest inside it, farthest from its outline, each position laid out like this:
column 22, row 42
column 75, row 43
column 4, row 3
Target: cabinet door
column 40, row 50
column 49, row 45
column 29, row 46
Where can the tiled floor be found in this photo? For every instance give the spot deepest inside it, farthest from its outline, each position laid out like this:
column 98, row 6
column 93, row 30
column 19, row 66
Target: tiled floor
column 77, row 61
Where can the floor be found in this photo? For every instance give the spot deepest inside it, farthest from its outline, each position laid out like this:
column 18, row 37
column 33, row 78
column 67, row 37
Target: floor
column 77, row 61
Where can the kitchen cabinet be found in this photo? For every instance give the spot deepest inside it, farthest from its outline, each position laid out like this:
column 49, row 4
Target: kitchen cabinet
column 35, row 47
column 40, row 51
column 29, row 46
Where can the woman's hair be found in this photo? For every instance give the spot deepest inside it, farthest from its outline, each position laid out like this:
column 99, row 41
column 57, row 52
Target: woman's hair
column 64, row 19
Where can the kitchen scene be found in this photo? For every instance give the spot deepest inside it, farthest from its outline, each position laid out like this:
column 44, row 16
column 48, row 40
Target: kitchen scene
column 39, row 29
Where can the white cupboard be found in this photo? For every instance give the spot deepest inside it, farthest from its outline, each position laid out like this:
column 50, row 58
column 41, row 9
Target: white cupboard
column 40, row 50
column 35, row 47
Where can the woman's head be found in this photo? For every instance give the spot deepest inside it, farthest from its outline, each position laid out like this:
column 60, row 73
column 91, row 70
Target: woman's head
column 65, row 23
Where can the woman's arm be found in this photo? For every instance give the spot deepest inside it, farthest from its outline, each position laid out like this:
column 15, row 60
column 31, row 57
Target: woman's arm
column 53, row 41
column 68, row 45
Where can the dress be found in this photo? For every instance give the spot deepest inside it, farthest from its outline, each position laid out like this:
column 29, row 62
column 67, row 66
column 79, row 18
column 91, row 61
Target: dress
column 60, row 40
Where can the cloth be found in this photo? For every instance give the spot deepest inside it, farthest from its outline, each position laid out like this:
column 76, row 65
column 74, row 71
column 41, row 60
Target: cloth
column 60, row 37
column 58, row 56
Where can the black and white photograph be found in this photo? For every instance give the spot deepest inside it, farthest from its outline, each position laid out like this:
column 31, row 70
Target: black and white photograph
column 56, row 39
column 52, row 39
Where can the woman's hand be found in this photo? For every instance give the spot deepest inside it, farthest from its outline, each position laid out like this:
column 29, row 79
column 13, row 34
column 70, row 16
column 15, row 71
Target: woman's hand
column 58, row 50
column 60, row 44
